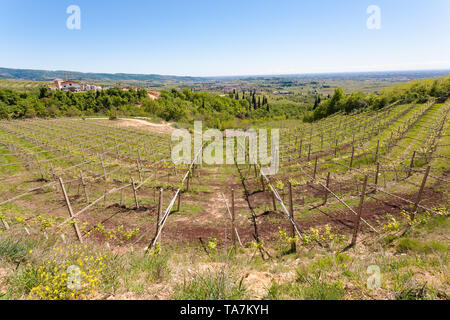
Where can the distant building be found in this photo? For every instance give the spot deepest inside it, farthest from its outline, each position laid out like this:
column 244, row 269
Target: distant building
column 87, row 87
column 56, row 84
column 154, row 95
column 73, row 86
column 282, row 92
column 70, row 86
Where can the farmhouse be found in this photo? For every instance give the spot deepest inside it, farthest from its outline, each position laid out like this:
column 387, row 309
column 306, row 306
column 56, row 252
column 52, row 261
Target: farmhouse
column 70, row 86
column 74, row 86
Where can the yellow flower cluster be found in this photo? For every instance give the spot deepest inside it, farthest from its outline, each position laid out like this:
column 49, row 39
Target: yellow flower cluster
column 119, row 233
column 327, row 236
column 284, row 237
column 156, row 250
column 73, row 274
column 212, row 244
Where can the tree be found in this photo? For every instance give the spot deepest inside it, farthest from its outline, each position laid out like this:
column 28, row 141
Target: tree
column 44, row 92
column 316, row 102
column 336, row 101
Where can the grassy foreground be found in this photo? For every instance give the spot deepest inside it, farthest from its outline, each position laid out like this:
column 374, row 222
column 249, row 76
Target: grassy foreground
column 411, row 266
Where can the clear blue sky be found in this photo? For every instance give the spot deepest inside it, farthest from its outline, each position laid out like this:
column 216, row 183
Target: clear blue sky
column 225, row 37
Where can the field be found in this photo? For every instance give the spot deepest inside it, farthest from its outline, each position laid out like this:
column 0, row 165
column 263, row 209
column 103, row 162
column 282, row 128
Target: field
column 354, row 194
column 21, row 85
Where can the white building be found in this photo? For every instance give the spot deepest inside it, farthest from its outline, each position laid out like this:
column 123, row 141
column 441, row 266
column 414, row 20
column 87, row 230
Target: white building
column 70, row 86
column 73, row 86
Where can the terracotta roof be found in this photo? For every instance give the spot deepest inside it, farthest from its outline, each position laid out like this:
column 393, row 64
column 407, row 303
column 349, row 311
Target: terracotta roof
column 70, row 81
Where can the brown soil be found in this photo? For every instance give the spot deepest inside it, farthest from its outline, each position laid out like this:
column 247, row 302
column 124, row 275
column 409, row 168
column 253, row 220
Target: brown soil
column 160, row 128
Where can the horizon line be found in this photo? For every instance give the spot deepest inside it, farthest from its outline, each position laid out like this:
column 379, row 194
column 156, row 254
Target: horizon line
column 239, row 75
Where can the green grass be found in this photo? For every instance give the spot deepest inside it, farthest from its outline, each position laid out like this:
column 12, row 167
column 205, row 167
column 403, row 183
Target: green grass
column 406, row 245
column 211, row 286
column 15, row 250
column 155, row 266
column 189, row 209
column 23, row 281
column 307, row 287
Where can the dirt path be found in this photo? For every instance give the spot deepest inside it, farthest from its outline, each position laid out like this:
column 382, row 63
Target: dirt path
column 142, row 123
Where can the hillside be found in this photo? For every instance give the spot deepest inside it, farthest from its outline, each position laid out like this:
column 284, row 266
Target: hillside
column 46, row 75
column 358, row 198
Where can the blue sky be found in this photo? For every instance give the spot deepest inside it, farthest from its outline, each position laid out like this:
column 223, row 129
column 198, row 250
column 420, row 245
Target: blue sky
column 225, row 37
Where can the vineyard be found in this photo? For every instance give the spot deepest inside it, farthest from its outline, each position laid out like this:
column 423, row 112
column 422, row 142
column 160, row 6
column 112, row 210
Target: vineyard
column 21, row 85
column 348, row 188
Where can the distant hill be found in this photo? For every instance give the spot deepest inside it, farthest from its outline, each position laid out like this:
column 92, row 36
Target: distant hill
column 45, row 75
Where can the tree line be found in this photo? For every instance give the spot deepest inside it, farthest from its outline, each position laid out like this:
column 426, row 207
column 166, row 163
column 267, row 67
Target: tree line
column 47, row 103
column 216, row 111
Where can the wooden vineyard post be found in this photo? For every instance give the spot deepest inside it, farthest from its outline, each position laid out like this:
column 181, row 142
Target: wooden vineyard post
column 358, row 217
column 378, row 150
column 103, row 167
column 179, row 201
column 335, row 148
column 315, row 169
column 133, row 185
column 160, row 208
column 351, row 159
column 188, row 181
column 411, row 165
column 117, row 149
column 84, row 187
column 103, row 146
column 39, row 165
column 105, row 178
column 69, row 208
column 419, row 196
column 376, row 176
column 139, row 170
column 274, row 203
column 295, row 144
column 52, row 170
column 263, row 186
column 121, row 197
column 325, row 197
column 139, row 158
column 309, row 152
column 300, row 149
column 233, row 216
column 291, row 212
